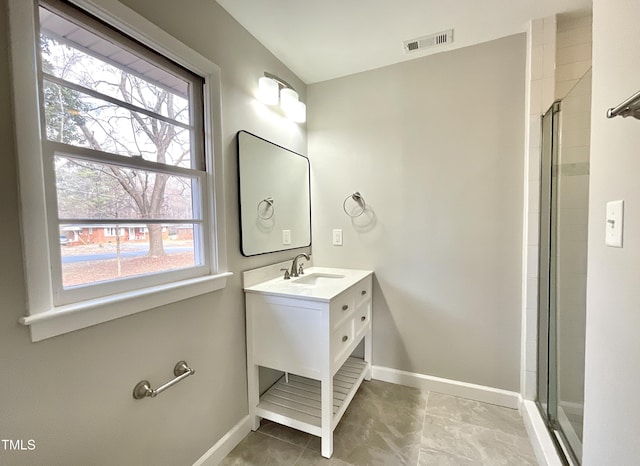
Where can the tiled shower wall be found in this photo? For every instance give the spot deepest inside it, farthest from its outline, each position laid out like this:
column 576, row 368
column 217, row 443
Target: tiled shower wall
column 574, row 47
column 541, row 70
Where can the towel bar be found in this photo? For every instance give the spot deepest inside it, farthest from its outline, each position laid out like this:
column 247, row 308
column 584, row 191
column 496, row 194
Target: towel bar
column 630, row 107
column 143, row 388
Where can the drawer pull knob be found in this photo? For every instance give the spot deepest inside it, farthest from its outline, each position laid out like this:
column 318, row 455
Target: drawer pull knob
column 363, row 318
column 345, row 307
column 363, row 292
column 344, row 338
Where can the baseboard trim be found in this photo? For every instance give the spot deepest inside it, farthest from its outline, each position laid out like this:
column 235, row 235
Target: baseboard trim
column 471, row 391
column 228, row 442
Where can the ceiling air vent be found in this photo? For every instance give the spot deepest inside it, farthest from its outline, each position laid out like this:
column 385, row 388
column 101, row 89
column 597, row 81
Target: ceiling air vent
column 433, row 40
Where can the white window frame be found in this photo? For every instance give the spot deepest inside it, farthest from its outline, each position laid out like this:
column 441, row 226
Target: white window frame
column 43, row 317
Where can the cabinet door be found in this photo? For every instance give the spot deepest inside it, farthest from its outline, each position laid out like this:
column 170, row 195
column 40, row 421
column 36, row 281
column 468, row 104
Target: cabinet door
column 288, row 338
column 342, row 342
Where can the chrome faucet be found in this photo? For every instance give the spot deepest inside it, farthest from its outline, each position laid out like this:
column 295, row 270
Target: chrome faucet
column 295, row 271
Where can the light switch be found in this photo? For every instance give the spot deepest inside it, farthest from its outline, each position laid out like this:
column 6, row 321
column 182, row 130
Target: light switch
column 615, row 222
column 337, row 237
column 286, row 236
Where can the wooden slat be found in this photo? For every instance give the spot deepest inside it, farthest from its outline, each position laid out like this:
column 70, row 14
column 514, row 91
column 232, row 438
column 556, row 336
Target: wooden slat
column 291, row 404
column 343, row 375
column 294, row 384
column 349, row 371
column 300, row 398
column 339, row 385
column 284, row 411
column 354, row 363
column 288, row 395
column 293, row 390
column 314, row 403
column 344, row 381
column 339, row 396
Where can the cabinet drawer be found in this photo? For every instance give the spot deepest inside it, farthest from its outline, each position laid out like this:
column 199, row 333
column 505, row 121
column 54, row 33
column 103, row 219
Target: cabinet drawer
column 361, row 319
column 362, row 291
column 342, row 308
column 342, row 339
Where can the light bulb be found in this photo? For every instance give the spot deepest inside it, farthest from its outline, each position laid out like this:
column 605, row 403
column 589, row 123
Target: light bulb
column 268, row 91
column 288, row 99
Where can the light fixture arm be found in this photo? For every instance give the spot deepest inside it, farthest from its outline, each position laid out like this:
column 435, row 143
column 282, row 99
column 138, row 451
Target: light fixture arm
column 279, row 80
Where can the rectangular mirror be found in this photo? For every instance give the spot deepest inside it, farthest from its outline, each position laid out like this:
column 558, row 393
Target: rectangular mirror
column 275, row 205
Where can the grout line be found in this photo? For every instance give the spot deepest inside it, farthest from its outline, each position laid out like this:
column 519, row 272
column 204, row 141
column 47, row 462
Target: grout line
column 306, row 445
column 283, row 440
column 299, row 456
column 424, row 417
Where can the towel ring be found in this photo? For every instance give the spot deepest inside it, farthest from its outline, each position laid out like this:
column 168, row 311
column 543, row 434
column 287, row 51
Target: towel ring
column 357, row 197
column 268, row 203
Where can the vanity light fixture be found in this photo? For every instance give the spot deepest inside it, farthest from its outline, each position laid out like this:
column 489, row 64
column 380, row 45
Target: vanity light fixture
column 273, row 91
column 268, row 91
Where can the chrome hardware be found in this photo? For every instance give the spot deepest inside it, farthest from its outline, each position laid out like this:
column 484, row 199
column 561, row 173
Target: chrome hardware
column 143, row 388
column 344, row 338
column 300, row 270
column 359, row 200
column 345, row 307
column 287, row 275
column 294, row 265
column 628, row 108
column 268, row 202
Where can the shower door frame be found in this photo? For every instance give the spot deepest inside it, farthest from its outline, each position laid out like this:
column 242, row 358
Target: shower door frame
column 547, row 399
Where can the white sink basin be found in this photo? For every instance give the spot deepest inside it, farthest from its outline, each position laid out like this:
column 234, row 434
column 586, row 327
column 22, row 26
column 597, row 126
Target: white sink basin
column 318, row 279
column 317, row 283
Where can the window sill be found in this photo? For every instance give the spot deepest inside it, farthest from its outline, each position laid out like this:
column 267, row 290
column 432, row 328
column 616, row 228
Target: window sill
column 76, row 316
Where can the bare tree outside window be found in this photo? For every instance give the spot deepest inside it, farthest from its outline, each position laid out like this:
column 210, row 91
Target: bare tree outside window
column 119, row 114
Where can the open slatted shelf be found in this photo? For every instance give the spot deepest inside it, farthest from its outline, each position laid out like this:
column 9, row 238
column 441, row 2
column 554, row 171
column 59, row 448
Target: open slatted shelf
column 296, row 403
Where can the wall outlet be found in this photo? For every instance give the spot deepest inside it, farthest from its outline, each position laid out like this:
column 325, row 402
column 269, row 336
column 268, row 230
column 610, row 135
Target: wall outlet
column 337, row 237
column 286, row 236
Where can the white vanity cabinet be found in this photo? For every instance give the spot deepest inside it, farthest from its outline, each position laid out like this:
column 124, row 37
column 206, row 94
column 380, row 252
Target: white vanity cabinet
column 309, row 331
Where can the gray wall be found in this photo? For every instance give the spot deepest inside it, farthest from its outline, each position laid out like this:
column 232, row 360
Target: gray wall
column 72, row 393
column 612, row 404
column 435, row 145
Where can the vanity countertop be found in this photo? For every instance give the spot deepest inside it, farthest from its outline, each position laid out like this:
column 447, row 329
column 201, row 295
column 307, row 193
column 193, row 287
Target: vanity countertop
column 317, row 284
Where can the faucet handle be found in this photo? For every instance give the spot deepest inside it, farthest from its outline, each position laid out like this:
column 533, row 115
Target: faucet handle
column 287, row 276
column 300, row 270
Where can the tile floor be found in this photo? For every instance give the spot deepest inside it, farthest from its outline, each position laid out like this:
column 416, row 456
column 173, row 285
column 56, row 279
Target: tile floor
column 390, row 425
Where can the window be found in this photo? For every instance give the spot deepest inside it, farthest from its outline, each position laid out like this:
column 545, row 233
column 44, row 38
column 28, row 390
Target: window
column 126, row 164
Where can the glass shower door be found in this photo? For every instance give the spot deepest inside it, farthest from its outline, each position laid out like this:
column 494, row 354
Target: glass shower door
column 546, row 305
column 564, row 202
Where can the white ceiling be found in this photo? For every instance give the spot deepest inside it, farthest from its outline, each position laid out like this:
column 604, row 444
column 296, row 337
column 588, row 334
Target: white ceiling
column 325, row 39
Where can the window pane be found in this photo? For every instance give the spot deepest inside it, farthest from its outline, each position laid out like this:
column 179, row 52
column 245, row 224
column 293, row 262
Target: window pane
column 99, row 253
column 82, row 57
column 95, row 190
column 75, row 118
